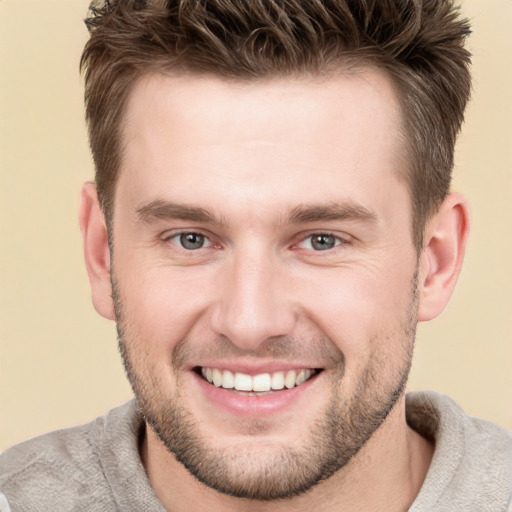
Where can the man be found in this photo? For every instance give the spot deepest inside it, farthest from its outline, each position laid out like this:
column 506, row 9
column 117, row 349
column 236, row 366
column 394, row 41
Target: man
column 271, row 217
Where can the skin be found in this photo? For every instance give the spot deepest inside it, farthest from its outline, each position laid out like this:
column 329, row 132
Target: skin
column 259, row 293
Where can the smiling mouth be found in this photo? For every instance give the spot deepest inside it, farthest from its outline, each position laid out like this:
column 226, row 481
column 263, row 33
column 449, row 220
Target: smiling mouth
column 262, row 382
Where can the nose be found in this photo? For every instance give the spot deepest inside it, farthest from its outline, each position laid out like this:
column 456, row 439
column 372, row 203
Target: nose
column 252, row 305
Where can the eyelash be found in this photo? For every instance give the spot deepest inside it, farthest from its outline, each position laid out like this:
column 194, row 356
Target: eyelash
column 178, row 237
column 338, row 240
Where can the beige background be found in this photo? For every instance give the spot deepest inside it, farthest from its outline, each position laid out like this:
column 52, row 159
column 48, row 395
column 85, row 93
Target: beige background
column 58, row 358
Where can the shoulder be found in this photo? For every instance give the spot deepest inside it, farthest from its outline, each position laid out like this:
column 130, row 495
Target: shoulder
column 65, row 464
column 439, row 417
column 472, row 465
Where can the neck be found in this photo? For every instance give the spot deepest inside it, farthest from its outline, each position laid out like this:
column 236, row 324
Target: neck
column 393, row 464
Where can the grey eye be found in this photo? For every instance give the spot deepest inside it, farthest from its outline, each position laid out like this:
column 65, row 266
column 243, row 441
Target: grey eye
column 192, row 241
column 323, row 242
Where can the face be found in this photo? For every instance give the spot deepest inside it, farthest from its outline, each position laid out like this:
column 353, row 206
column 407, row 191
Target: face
column 264, row 273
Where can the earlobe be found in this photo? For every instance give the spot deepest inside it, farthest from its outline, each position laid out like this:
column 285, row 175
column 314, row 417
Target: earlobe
column 96, row 250
column 443, row 252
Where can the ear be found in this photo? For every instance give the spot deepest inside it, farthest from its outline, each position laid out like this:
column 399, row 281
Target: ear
column 445, row 241
column 96, row 250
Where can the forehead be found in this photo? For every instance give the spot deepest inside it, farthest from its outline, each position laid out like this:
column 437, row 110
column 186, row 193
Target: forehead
column 266, row 140
column 199, row 102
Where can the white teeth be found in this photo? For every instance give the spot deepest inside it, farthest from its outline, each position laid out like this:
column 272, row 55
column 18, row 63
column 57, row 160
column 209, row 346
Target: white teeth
column 243, row 382
column 303, row 376
column 290, row 379
column 259, row 383
column 277, row 381
column 228, row 380
column 217, row 377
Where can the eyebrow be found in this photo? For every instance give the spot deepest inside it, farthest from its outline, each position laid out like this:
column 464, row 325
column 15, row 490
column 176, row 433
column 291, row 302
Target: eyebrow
column 332, row 211
column 165, row 210
column 302, row 214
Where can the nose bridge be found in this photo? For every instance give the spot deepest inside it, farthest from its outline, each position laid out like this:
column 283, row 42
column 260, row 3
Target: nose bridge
column 252, row 305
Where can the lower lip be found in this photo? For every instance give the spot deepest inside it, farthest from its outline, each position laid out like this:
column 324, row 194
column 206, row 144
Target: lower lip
column 254, row 405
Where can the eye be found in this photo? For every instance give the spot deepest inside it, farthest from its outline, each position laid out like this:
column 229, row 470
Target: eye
column 320, row 242
column 190, row 241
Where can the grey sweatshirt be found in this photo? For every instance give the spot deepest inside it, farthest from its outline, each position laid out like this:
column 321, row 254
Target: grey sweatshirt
column 96, row 467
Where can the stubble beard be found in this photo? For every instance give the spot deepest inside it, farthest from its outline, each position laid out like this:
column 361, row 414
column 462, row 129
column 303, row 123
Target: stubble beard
column 336, row 436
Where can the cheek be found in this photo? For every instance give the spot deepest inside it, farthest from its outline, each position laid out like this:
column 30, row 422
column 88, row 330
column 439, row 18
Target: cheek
column 361, row 310
column 161, row 304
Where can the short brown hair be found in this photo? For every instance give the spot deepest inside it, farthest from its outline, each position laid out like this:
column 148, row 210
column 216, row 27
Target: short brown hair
column 418, row 43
